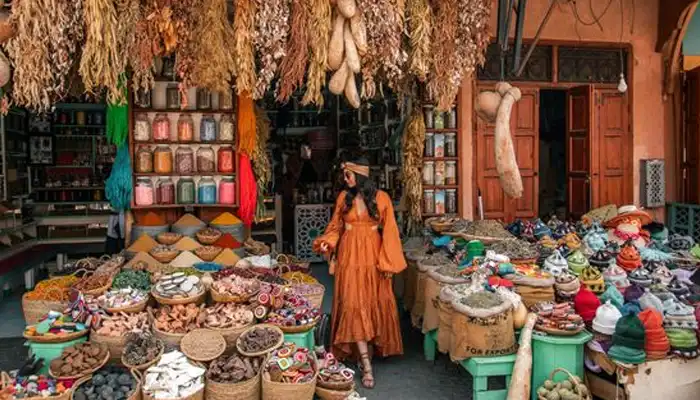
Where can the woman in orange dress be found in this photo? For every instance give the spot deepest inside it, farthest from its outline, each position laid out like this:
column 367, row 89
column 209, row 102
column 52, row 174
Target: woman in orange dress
column 364, row 238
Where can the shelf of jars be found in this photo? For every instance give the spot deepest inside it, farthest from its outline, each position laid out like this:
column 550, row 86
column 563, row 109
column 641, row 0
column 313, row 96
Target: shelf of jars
column 441, row 163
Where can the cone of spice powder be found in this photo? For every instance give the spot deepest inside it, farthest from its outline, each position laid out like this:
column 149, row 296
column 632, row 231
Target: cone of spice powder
column 227, row 241
column 143, row 243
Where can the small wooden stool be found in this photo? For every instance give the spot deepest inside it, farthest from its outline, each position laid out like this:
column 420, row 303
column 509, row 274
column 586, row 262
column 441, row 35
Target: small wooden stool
column 481, row 368
column 430, row 345
column 303, row 339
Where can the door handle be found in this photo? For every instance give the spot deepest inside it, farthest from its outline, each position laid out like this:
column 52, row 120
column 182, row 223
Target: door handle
column 536, row 173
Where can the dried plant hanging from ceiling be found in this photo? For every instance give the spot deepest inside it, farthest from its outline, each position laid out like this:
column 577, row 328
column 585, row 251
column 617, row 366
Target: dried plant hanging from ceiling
column 244, row 55
column 270, row 40
column 459, row 42
column 413, row 146
column 187, row 16
column 160, row 14
column 420, row 24
column 101, row 63
column 214, row 64
column 47, row 39
column 319, row 35
column 142, row 54
column 293, row 65
column 262, row 167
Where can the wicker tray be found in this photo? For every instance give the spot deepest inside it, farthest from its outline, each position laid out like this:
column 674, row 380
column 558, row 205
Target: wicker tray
column 168, row 238
column 86, row 373
column 297, row 328
column 144, row 366
column 336, row 386
column 56, row 338
column 259, row 353
column 298, row 391
column 217, row 297
column 169, row 339
column 208, row 253
column 203, row 345
column 328, row 394
column 164, row 256
column 197, row 299
column 232, row 334
column 559, row 332
column 97, row 291
column 207, row 239
column 35, row 310
column 246, row 390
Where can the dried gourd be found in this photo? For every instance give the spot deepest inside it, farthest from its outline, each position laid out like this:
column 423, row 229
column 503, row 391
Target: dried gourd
column 339, row 79
column 336, row 46
column 351, row 56
column 347, row 8
column 359, row 33
column 351, row 93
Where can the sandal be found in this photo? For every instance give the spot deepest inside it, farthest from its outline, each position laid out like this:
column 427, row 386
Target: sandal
column 367, row 376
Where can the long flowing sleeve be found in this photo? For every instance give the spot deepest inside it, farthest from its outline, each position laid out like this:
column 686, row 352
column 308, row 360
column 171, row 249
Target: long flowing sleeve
column 391, row 257
column 334, row 229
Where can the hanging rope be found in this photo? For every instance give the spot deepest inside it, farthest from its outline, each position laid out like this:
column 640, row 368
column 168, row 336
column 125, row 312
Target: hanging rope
column 118, row 117
column 118, row 185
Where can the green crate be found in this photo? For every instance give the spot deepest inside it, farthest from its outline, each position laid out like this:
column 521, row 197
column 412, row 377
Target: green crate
column 303, row 339
column 50, row 351
column 551, row 352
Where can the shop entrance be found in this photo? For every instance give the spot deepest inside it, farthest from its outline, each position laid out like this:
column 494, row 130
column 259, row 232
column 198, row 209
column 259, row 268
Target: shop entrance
column 552, row 162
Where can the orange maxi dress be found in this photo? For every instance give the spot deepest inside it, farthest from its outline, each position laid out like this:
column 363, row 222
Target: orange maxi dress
column 364, row 307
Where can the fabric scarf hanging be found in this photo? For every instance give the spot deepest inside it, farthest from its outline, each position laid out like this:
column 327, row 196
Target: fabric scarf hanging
column 248, row 190
column 118, row 185
column 246, row 125
column 118, row 118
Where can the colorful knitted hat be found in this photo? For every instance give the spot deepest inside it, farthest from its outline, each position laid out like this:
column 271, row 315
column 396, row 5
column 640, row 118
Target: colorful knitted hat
column 629, row 258
column 649, row 300
column 540, row 229
column 606, row 317
column 612, row 295
column 652, row 265
column 515, row 227
column 615, row 275
column 596, row 239
column 586, row 304
column 593, row 279
column 601, row 260
column 695, row 250
column 657, row 230
column 633, row 292
column 656, row 343
column 571, row 240
column 631, row 308
column 629, row 332
column 659, row 290
column 554, row 223
column 641, row 277
column 556, row 264
column 567, row 284
column 678, row 288
column 547, row 241
column 684, row 342
column 577, row 262
column 680, row 242
column 679, row 315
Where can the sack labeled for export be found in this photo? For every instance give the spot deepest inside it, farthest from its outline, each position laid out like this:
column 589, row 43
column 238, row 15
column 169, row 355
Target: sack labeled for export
column 424, row 266
column 435, row 280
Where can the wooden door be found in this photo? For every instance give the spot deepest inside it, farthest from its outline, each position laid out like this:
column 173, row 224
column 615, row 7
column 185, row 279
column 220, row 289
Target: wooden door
column 524, row 125
column 690, row 142
column 580, row 178
column 613, row 185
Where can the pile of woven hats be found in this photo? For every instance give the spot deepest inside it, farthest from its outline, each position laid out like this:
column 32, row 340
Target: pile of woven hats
column 615, row 275
column 577, row 262
column 628, row 341
column 680, row 325
column 593, row 279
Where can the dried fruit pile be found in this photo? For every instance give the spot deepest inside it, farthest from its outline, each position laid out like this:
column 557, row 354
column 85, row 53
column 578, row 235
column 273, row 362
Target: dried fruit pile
column 79, row 359
column 234, row 368
column 121, row 324
column 227, row 316
column 259, row 339
column 178, row 318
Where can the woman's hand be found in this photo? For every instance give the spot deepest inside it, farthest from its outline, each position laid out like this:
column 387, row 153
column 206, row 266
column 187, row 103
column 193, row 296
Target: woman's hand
column 324, row 247
column 387, row 275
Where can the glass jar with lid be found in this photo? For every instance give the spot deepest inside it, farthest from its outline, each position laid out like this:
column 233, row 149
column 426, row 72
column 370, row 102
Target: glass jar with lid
column 203, row 99
column 172, row 97
column 206, row 191
column 185, row 191
column 165, row 190
column 451, row 201
column 429, row 201
column 163, row 160
column 429, row 150
column 450, row 144
column 184, row 160
column 185, row 128
column 428, row 173
column 144, row 160
column 206, row 160
column 142, row 128
column 143, row 192
column 226, row 100
column 207, row 128
column 226, row 128
column 225, row 159
column 161, row 128
column 227, row 190
column 451, row 172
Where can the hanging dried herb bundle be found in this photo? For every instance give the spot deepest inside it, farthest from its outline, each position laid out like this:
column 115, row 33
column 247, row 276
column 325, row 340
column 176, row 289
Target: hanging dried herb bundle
column 48, row 32
column 293, row 65
column 160, row 15
column 420, row 25
column 384, row 22
column 262, row 168
column 270, row 39
column 141, row 56
column 472, row 35
column 215, row 66
column 186, row 15
column 413, row 146
column 319, row 34
column 243, row 27
column 101, row 62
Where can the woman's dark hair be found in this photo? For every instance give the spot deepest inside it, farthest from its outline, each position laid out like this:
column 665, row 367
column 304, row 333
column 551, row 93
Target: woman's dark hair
column 367, row 188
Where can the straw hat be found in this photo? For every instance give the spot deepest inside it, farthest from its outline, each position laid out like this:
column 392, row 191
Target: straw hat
column 627, row 213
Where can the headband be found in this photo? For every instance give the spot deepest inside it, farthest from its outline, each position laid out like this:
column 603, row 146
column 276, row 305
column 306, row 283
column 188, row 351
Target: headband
column 356, row 168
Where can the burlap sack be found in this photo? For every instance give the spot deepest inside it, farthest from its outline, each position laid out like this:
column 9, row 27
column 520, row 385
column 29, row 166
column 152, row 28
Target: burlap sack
column 417, row 311
column 481, row 332
column 410, row 277
column 434, row 282
column 444, row 333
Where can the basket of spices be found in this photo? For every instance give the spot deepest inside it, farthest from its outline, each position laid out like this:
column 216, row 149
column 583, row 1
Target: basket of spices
column 188, row 225
column 32, row 388
column 230, row 320
column 48, row 295
column 519, row 251
column 109, row 382
column 179, row 288
column 207, row 253
column 442, row 224
column 112, row 331
column 168, row 238
column 288, row 263
column 203, row 345
column 487, row 231
column 172, row 323
column 141, row 350
column 208, row 236
column 132, row 279
column 290, row 372
column 164, row 253
column 234, row 377
column 79, row 360
column 259, row 340
column 174, row 377
column 93, row 284
column 234, row 289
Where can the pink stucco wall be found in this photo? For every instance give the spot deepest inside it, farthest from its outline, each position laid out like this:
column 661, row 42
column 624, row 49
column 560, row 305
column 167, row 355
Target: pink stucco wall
column 651, row 125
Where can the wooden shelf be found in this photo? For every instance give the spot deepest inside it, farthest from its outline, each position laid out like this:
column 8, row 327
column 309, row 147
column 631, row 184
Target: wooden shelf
column 71, row 126
column 440, row 186
column 428, row 215
column 440, row 158
column 135, row 207
column 188, row 175
column 142, row 110
column 71, row 188
column 167, row 142
column 443, row 130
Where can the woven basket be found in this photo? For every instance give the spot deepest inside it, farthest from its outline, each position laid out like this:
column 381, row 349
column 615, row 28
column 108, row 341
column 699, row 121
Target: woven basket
column 85, row 373
column 35, row 310
column 203, row 345
column 231, row 335
column 169, row 339
column 259, row 353
column 297, row 328
column 555, row 371
column 316, row 299
column 115, row 345
column 338, row 386
column 168, row 238
column 287, row 263
column 207, row 239
column 135, row 395
column 197, row 299
column 328, row 394
column 284, row 391
column 134, row 308
column 164, row 256
column 208, row 253
column 246, row 390
column 199, row 395
column 5, row 383
column 56, row 338
column 217, row 297
column 143, row 367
